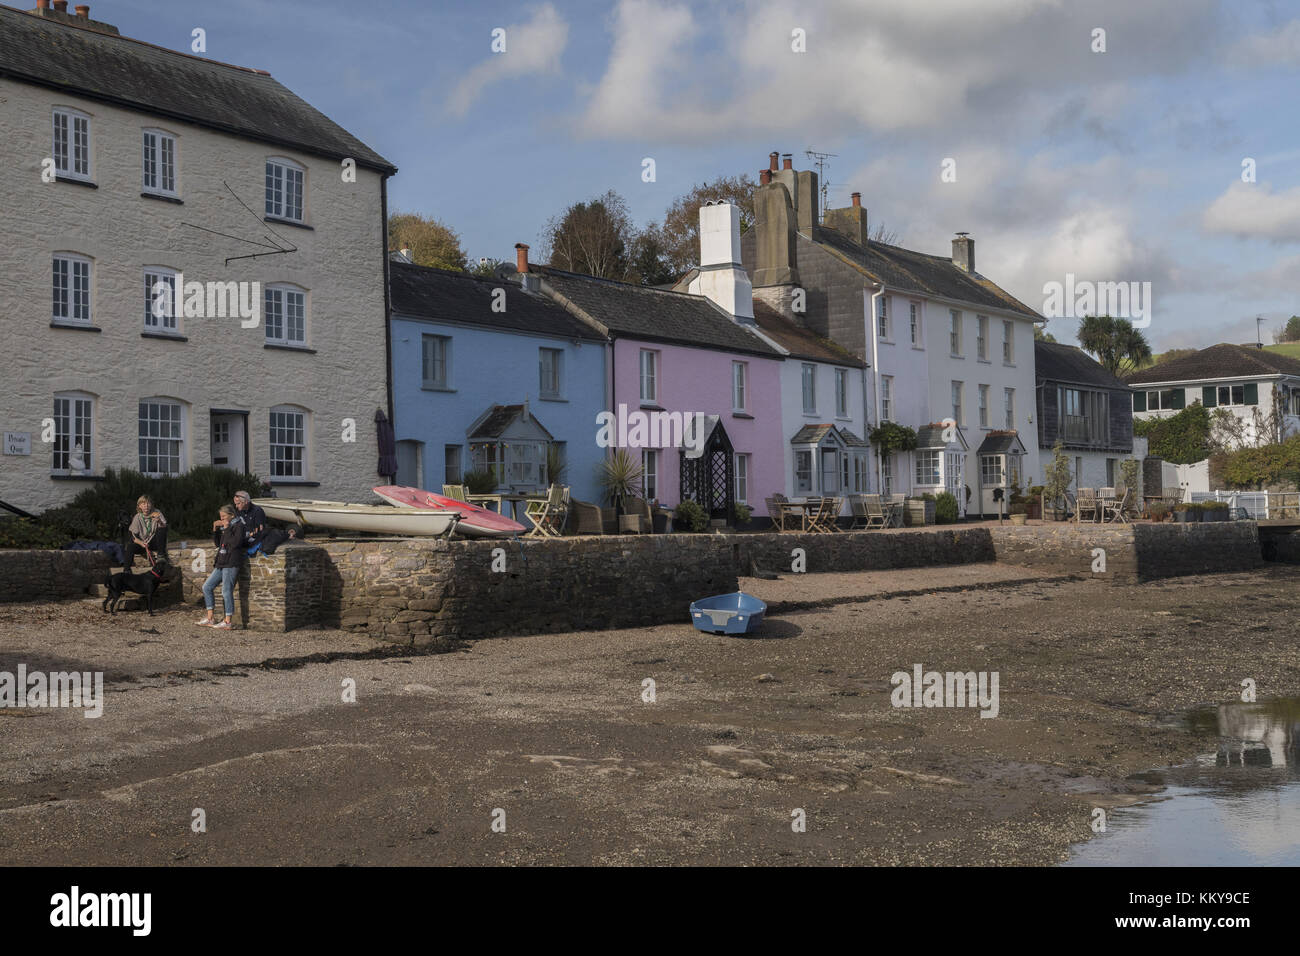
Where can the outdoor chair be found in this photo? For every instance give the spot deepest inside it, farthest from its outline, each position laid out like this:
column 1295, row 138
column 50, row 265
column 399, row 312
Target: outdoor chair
column 813, row 515
column 1114, row 508
column 876, row 517
column 455, row 491
column 897, row 504
column 586, row 518
column 1086, row 504
column 830, row 517
column 858, row 508
column 641, row 509
column 547, row 514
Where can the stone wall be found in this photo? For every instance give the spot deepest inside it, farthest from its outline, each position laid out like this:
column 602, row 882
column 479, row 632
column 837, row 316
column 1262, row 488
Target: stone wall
column 863, row 552
column 273, row 592
column 50, row 575
column 1133, row 553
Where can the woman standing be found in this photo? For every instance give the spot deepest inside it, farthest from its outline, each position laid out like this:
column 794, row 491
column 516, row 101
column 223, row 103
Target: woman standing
column 148, row 532
column 231, row 540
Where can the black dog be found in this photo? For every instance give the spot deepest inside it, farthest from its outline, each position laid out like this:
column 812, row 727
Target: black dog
column 144, row 584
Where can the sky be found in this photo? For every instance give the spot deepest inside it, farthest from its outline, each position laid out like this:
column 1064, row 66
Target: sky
column 1122, row 164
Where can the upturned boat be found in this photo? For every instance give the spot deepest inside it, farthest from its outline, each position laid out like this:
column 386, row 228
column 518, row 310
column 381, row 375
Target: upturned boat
column 378, row 519
column 474, row 521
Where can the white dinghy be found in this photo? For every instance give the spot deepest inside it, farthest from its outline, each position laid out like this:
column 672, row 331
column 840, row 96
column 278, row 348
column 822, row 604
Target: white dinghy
column 378, row 519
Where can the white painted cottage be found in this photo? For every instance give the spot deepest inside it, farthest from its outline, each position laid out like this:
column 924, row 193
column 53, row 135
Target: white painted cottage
column 130, row 170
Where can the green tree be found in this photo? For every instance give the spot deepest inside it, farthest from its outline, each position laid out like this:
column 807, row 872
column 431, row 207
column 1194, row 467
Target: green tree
column 649, row 262
column 431, row 243
column 1042, row 335
column 1114, row 342
column 1291, row 331
column 592, row 238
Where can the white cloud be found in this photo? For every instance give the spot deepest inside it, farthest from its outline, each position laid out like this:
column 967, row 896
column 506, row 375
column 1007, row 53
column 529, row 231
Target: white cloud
column 531, row 48
column 1279, row 48
column 1254, row 211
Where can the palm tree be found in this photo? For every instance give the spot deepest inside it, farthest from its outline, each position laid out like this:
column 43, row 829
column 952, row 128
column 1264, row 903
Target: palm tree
column 1114, row 342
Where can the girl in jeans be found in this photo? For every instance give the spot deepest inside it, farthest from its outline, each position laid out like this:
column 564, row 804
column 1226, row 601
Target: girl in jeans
column 231, row 540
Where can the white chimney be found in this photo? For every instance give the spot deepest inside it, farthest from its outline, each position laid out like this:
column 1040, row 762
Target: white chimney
column 721, row 278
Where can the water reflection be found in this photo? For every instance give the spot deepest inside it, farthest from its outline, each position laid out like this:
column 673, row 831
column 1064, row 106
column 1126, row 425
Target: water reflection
column 1237, row 806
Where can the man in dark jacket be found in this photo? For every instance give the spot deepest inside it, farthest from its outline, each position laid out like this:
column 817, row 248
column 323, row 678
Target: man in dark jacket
column 251, row 516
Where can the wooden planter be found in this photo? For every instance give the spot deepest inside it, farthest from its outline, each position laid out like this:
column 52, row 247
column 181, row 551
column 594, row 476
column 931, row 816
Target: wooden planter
column 920, row 511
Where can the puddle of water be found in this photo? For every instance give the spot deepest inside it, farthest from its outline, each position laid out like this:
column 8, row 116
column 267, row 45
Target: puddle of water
column 1238, row 806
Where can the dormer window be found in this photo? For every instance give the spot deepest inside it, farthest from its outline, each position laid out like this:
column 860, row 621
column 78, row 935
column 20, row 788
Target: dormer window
column 284, row 190
column 72, row 143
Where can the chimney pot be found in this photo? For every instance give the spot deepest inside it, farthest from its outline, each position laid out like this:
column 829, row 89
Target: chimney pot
column 42, row 4
column 764, row 177
column 521, row 257
column 772, row 157
column 787, row 161
column 61, row 6
column 857, row 199
column 83, row 11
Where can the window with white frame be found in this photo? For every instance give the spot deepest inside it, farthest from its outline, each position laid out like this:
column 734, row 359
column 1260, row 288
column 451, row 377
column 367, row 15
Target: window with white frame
column 928, row 461
column 809, row 389
column 991, row 472
column 285, row 315
column 1231, row 394
column 882, row 316
column 1009, row 406
column 158, row 170
column 982, row 337
column 71, row 143
column 954, row 332
column 288, row 442
column 161, row 437
column 887, row 474
column 74, row 426
column 551, row 362
column 803, row 475
column 742, row 479
column 160, row 299
column 914, row 311
column 957, row 416
column 859, row 473
column 650, row 473
column 841, row 393
column 984, row 406
column 844, row 473
column 886, row 398
column 649, row 376
column 435, row 361
column 739, row 389
column 284, row 192
column 71, row 304
column 1008, row 342
column 525, row 461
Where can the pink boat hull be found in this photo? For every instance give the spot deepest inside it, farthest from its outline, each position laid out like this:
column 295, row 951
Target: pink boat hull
column 474, row 521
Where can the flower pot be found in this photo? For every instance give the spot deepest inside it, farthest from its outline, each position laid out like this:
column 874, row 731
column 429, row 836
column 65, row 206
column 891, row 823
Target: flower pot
column 1019, row 519
column 1181, row 517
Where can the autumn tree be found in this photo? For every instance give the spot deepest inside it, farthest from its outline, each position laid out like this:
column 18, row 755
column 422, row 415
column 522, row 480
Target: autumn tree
column 592, row 238
column 431, row 243
column 681, row 228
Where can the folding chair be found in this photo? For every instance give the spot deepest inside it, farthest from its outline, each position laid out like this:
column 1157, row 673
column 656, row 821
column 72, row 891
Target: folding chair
column 547, row 514
column 454, row 491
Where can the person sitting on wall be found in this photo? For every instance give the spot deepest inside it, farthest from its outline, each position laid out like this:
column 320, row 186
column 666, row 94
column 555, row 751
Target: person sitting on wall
column 252, row 517
column 148, row 532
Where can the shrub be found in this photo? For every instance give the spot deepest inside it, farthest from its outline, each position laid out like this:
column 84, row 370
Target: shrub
column 740, row 514
column 690, row 515
column 1183, row 439
column 479, row 482
column 29, row 533
column 1159, row 510
column 189, row 502
column 890, row 437
column 945, row 508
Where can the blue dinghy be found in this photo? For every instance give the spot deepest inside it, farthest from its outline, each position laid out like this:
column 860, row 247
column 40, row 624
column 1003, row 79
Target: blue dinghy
column 735, row 613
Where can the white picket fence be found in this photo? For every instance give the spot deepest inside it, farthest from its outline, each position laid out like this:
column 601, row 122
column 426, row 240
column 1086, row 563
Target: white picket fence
column 1258, row 504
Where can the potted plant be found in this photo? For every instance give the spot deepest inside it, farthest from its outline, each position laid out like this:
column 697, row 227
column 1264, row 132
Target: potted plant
column 1056, row 483
column 619, row 477
column 921, row 510
column 480, row 482
column 1186, row 512
column 1019, row 514
column 1214, row 511
column 690, row 516
column 740, row 515
column 1034, row 502
column 1159, row 511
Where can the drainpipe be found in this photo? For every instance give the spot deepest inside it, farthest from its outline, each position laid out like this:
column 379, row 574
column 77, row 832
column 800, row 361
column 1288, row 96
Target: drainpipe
column 388, row 317
column 875, row 371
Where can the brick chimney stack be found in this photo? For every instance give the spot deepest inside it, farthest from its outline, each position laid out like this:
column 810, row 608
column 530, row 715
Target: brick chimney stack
column 857, row 199
column 61, row 6
column 772, row 157
column 850, row 221
column 787, row 161
column 764, row 177
column 521, row 257
column 963, row 252
column 83, row 11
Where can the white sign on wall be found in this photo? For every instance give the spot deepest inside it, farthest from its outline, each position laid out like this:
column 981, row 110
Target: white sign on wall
column 18, row 443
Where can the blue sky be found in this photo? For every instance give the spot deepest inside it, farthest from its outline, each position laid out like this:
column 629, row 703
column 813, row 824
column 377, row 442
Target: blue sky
column 1122, row 165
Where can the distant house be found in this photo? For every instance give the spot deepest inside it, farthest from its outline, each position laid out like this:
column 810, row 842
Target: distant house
column 674, row 356
column 941, row 340
column 134, row 169
column 1086, row 409
column 487, row 376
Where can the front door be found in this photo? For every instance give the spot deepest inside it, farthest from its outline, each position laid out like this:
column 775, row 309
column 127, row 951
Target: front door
column 228, row 440
column 992, row 475
column 954, row 466
column 410, row 463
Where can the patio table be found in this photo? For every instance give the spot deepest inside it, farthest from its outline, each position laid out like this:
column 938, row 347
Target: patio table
column 502, row 499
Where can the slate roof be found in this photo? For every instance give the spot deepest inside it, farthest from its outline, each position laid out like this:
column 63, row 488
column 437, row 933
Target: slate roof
column 800, row 342
column 851, row 439
column 498, row 420
column 637, row 312
column 140, row 76
column 931, row 436
column 902, row 270
column 811, row 434
column 1055, row 362
column 1001, row 442
column 446, row 296
column 1217, row 361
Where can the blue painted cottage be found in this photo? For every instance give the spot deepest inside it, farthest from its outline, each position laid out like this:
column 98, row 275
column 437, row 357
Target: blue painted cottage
column 486, row 375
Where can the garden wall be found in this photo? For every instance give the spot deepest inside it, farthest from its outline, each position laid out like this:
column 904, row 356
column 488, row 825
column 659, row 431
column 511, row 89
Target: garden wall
column 49, row 575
